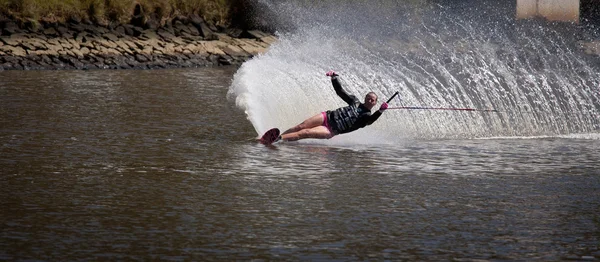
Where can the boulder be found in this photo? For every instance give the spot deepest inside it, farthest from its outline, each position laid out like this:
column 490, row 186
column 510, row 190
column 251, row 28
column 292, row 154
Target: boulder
column 141, row 58
column 234, row 32
column 202, row 27
column 62, row 30
column 212, row 47
column 120, row 31
column 105, row 43
column 167, row 36
column 74, row 43
column 65, row 44
column 121, row 44
column 255, row 34
column 85, row 51
column 53, row 48
column 129, row 30
column 269, row 39
column 169, row 48
column 10, row 28
column 225, row 60
column 51, row 32
column 192, row 30
column 180, row 27
column 14, row 50
column 111, row 37
column 234, row 51
column 251, row 46
column 78, row 53
column 12, row 40
column 37, row 44
column 27, row 46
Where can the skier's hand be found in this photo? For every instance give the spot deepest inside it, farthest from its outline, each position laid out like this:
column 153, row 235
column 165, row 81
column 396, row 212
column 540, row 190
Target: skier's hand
column 383, row 107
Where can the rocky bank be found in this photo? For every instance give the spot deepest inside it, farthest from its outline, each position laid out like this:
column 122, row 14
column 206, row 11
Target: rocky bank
column 185, row 42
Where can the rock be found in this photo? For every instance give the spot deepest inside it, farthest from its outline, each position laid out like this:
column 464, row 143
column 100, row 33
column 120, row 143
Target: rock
column 224, row 38
column 181, row 28
column 77, row 28
column 9, row 59
column 255, row 34
column 85, row 51
column 251, row 46
column 121, row 30
column 28, row 46
column 110, row 37
column 54, row 48
column 212, row 48
column 105, row 43
column 141, row 58
column 121, row 44
column 12, row 40
column 74, row 19
column 50, row 32
column 151, row 23
column 38, row 44
column 147, row 50
column 74, row 43
column 193, row 30
column 78, row 53
column 17, row 66
column 234, row 51
column 234, row 32
column 167, row 36
column 10, row 28
column 63, row 31
column 178, row 40
column 202, row 27
column 83, row 46
column 14, row 50
column 131, row 44
column 38, row 37
column 269, row 39
column 225, row 60
column 149, row 35
column 169, row 48
column 65, row 44
column 195, row 49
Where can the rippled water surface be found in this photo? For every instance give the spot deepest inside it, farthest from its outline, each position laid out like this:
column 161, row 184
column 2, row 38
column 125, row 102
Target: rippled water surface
column 143, row 165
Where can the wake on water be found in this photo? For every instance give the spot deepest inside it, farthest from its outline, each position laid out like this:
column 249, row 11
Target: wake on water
column 469, row 54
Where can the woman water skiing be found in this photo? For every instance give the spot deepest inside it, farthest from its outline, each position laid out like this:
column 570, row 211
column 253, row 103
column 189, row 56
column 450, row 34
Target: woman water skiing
column 328, row 124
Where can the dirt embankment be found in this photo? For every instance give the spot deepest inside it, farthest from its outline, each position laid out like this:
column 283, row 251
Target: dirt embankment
column 185, row 42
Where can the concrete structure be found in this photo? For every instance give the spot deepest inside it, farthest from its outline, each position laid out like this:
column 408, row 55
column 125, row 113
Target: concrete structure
column 554, row 10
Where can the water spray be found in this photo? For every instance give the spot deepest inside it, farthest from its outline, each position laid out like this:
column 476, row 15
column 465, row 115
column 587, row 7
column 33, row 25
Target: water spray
column 442, row 108
column 436, row 108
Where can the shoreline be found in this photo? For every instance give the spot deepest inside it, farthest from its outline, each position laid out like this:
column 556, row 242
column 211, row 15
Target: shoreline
column 185, row 43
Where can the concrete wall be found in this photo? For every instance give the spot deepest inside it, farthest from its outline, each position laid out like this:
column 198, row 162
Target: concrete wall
column 554, row 10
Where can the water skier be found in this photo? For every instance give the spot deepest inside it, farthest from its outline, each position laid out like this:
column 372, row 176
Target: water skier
column 328, row 124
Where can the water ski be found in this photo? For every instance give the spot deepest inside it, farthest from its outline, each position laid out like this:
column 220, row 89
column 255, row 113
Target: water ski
column 270, row 136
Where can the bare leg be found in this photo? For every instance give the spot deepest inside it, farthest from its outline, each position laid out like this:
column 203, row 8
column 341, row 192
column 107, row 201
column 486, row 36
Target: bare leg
column 320, row 132
column 314, row 121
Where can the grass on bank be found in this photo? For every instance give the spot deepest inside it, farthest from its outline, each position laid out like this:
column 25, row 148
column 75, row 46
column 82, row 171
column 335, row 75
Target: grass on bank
column 121, row 11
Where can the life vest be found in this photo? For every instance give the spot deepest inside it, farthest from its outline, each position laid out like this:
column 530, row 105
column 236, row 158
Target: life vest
column 349, row 118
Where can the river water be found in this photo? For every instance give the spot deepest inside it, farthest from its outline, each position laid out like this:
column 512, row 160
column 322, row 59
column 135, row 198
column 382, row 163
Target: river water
column 160, row 165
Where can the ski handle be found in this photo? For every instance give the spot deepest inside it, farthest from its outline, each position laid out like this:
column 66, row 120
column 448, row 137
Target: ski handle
column 394, row 95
